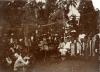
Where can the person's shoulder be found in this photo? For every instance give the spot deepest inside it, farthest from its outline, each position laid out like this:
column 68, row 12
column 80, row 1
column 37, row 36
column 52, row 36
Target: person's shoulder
column 20, row 57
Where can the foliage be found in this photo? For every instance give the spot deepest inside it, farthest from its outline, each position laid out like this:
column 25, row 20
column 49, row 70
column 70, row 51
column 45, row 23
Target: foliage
column 88, row 17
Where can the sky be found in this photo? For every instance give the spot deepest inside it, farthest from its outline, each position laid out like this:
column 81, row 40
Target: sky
column 96, row 4
column 41, row 0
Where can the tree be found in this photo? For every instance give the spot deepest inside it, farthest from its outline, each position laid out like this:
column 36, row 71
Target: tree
column 72, row 3
column 88, row 17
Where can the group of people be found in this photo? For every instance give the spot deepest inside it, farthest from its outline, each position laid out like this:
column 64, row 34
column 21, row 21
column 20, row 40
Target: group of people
column 22, row 52
column 82, row 46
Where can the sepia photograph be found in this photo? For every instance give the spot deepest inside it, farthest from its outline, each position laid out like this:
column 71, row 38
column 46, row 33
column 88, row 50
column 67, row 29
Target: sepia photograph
column 49, row 36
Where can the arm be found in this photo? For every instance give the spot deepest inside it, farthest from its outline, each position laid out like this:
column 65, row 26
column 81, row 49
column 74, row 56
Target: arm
column 23, row 61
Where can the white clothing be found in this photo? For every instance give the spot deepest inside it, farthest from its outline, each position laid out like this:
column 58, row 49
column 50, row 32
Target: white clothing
column 79, row 47
column 72, row 49
column 20, row 62
column 63, row 51
column 67, row 45
column 63, row 47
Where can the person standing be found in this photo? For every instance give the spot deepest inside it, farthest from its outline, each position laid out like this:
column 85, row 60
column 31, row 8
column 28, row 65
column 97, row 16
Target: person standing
column 72, row 46
column 97, row 41
column 79, row 48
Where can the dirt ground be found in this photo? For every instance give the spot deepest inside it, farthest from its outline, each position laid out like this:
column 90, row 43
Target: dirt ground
column 68, row 65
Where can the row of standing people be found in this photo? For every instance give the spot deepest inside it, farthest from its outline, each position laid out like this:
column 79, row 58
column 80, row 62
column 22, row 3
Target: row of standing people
column 83, row 46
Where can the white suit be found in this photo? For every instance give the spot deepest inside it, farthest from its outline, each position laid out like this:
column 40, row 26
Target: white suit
column 63, row 48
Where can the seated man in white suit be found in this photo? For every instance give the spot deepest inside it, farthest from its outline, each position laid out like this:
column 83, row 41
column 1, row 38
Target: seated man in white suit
column 20, row 63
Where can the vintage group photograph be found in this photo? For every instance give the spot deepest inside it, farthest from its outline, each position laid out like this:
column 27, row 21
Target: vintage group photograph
column 49, row 36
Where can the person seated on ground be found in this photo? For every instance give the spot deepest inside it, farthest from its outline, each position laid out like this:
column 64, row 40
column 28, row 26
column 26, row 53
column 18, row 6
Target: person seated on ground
column 67, row 44
column 60, row 48
column 20, row 62
column 63, row 48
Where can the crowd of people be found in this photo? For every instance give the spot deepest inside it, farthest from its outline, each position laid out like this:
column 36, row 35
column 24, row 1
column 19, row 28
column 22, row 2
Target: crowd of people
column 25, row 51
column 61, row 39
